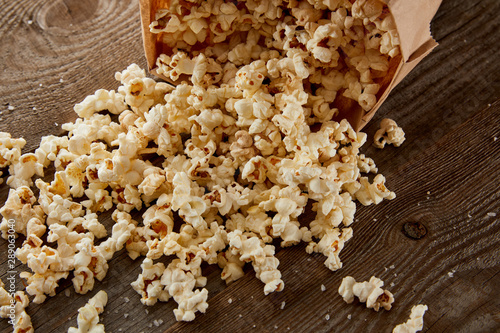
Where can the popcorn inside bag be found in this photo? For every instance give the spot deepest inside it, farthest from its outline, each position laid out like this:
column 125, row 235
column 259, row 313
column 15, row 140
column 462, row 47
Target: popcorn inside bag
column 348, row 54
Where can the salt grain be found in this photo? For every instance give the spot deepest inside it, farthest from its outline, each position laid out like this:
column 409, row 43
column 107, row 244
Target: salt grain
column 491, row 214
column 323, row 288
column 61, row 80
column 67, row 292
column 126, row 299
column 327, row 317
column 282, row 305
column 125, row 315
column 230, row 300
column 34, row 108
column 11, row 107
column 41, row 85
column 147, row 311
column 450, row 274
column 392, row 284
column 30, row 22
column 391, row 267
column 349, row 316
column 156, row 323
column 160, row 321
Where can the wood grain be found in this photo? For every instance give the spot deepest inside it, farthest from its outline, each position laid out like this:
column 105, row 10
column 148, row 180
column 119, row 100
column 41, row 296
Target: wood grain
column 446, row 176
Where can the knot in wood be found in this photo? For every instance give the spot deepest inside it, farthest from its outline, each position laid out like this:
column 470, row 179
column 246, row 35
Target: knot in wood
column 414, row 230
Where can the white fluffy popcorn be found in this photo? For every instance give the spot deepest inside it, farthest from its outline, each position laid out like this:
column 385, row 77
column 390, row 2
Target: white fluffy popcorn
column 20, row 209
column 389, row 133
column 10, row 149
column 416, row 321
column 223, row 163
column 88, row 315
column 369, row 292
column 148, row 283
column 101, row 100
column 12, row 307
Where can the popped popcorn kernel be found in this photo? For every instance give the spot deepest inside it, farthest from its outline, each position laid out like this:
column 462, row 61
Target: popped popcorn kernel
column 389, row 133
column 88, row 315
column 369, row 292
column 416, row 321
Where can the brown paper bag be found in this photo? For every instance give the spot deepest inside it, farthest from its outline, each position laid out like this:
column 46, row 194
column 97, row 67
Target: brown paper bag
column 412, row 18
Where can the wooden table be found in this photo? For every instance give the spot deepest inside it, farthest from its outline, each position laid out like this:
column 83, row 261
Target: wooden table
column 446, row 176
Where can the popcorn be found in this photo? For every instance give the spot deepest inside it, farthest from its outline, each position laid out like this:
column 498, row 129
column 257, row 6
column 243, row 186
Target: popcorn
column 416, row 321
column 10, row 149
column 233, row 156
column 180, row 278
column 148, row 283
column 331, row 243
column 369, row 292
column 389, row 133
column 373, row 193
column 20, row 208
column 13, row 306
column 40, row 285
column 101, row 100
column 89, row 264
column 88, row 315
column 23, row 170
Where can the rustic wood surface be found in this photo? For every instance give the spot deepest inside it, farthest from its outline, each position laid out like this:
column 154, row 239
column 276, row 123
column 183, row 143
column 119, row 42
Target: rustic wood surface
column 446, row 176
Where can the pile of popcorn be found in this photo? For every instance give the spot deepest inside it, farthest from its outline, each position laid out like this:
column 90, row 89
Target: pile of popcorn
column 220, row 165
column 336, row 51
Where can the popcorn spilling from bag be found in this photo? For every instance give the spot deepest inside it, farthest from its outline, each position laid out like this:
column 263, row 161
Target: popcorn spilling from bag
column 236, row 153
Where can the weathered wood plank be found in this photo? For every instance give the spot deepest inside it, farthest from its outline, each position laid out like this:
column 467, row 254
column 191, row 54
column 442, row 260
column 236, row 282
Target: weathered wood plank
column 450, row 152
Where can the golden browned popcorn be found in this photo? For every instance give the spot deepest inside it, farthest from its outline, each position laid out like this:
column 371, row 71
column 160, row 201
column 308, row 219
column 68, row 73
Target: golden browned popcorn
column 12, row 306
column 369, row 292
column 389, row 133
column 88, row 315
column 239, row 162
column 21, row 211
column 416, row 321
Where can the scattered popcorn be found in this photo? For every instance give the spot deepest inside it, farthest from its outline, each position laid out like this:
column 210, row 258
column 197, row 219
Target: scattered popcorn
column 88, row 315
column 12, row 307
column 389, row 133
column 369, row 292
column 416, row 321
column 233, row 155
